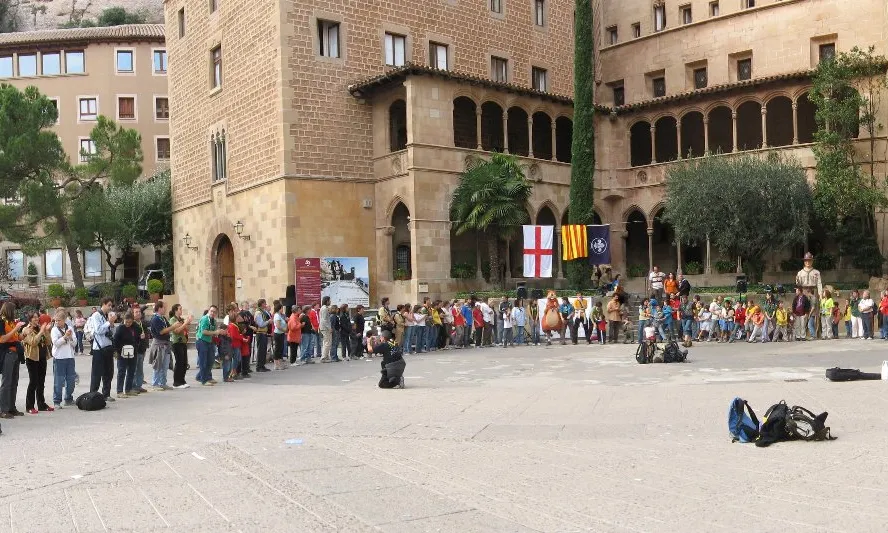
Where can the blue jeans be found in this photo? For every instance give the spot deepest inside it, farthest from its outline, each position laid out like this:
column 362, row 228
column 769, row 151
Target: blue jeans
column 687, row 326
column 848, row 328
column 160, row 375
column 139, row 370
column 535, row 335
column 867, row 319
column 334, row 346
column 419, row 334
column 79, row 348
column 63, row 376
column 408, row 339
column 319, row 341
column 885, row 327
column 641, row 325
column 812, row 326
column 227, row 366
column 519, row 334
column 308, row 346
column 204, row 360
column 126, row 368
column 662, row 333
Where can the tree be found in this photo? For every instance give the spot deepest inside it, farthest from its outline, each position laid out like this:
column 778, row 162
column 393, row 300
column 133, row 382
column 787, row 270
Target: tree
column 745, row 205
column 112, row 16
column 34, row 171
column 123, row 217
column 9, row 16
column 582, row 172
column 491, row 198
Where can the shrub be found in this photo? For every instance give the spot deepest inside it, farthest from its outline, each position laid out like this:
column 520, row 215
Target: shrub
column 130, row 291
column 635, row 271
column 24, row 302
column 791, row 265
column 725, row 266
column 32, row 273
column 825, row 262
column 55, row 291
column 463, row 271
column 155, row 286
column 400, row 274
column 693, row 268
column 81, row 293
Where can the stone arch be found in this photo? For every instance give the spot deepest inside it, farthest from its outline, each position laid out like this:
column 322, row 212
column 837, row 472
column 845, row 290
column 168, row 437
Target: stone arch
column 779, row 121
column 806, row 124
column 693, row 131
column 542, row 135
column 666, row 136
column 465, row 126
column 223, row 270
column 492, row 134
column 749, row 125
column 636, row 237
column 550, row 218
column 397, row 125
column 563, row 139
column 519, row 140
column 401, row 241
column 775, row 94
column 390, row 210
column 721, row 130
column 640, row 143
column 662, row 240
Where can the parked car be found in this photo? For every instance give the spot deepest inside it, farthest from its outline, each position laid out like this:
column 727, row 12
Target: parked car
column 146, row 277
column 108, row 288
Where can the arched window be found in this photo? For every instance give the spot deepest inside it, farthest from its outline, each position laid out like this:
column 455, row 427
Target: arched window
column 492, row 139
column 667, row 139
column 779, row 121
column 721, row 131
column 465, row 132
column 542, row 136
column 519, row 141
column 749, row 126
column 640, row 143
column 807, row 122
column 693, row 143
column 398, row 126
column 564, row 139
column 401, row 241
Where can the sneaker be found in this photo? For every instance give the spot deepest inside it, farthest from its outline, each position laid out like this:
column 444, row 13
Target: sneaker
column 142, row 389
column 248, row 375
column 207, row 384
column 57, row 405
column 69, row 403
column 229, row 380
column 123, row 395
column 182, row 386
column 33, row 411
column 167, row 387
column 16, row 412
column 213, row 381
column 157, row 389
column 110, row 399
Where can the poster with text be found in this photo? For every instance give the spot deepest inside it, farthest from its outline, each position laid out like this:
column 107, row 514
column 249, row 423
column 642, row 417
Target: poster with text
column 346, row 280
column 308, row 280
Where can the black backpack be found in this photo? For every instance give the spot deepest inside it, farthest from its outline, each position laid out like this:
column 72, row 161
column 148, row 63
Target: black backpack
column 91, row 401
column 773, row 426
column 783, row 423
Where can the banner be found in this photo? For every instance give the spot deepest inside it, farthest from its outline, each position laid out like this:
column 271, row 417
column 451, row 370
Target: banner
column 346, row 280
column 308, row 280
column 599, row 244
column 538, row 251
column 574, row 243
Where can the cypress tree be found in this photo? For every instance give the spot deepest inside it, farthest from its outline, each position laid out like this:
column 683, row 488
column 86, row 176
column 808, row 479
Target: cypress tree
column 582, row 174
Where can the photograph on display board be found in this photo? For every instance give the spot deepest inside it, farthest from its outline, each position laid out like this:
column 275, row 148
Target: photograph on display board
column 346, row 280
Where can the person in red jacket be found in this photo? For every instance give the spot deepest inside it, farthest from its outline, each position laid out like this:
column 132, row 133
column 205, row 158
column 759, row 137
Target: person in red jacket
column 239, row 344
column 294, row 333
column 477, row 323
column 314, row 318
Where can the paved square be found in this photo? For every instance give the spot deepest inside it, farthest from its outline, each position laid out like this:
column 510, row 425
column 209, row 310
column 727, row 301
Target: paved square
column 575, row 438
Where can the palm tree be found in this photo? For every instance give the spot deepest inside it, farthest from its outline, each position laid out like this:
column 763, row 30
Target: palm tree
column 491, row 199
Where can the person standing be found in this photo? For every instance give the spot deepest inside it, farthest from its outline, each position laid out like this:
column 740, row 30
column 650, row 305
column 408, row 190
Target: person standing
column 598, row 321
column 160, row 350
column 64, row 348
column 206, row 330
column 230, row 345
column 801, row 307
column 179, row 341
column 883, row 310
column 686, row 314
column 325, row 333
column 670, row 285
column 507, row 325
column 684, row 286
column 489, row 323
column 35, row 337
column 309, row 336
column 409, row 328
column 279, row 344
column 12, row 352
column 126, row 340
column 579, row 319
column 477, row 325
column 102, row 349
column 781, row 318
column 614, row 317
column 294, row 333
column 826, row 310
column 769, row 308
column 142, row 348
column 866, row 306
column 459, row 326
column 79, row 322
column 263, row 324
column 519, row 317
column 655, row 284
column 384, row 316
column 357, row 336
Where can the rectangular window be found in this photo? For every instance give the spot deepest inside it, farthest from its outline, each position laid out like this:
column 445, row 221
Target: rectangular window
column 748, row 4
column 51, row 63
column 87, row 149
column 92, row 263
column 53, row 263
column 713, row 9
column 15, row 262
column 27, row 64
column 6, row 67
column 636, row 30
column 438, row 56
column 328, row 38
column 182, row 23
column 827, row 52
column 744, row 69
column 659, row 17
column 220, row 157
column 539, row 12
column 163, row 148
column 216, row 55
column 496, row 6
column 540, row 79
column 89, row 108
column 162, row 108
column 395, row 50
column 499, row 69
column 612, row 36
column 213, row 6
column 686, row 16
column 659, row 87
column 160, row 61
column 55, row 103
column 126, row 108
column 74, row 63
column 700, row 78
column 124, row 62
column 619, row 96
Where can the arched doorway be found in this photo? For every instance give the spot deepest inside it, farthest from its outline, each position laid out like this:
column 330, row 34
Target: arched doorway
column 401, row 262
column 225, row 271
column 636, row 241
column 640, row 143
column 666, row 137
column 749, row 126
column 693, row 143
column 807, row 121
column 663, row 244
column 721, row 131
column 465, row 132
column 779, row 121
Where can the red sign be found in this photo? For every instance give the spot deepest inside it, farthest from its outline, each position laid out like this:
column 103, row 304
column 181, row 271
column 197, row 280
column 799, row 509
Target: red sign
column 308, row 280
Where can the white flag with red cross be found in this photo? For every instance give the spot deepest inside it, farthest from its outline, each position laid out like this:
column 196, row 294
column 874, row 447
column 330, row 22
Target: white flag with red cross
column 538, row 251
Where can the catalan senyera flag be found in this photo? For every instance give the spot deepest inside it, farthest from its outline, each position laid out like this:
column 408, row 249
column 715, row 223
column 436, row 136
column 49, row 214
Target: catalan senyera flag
column 574, row 242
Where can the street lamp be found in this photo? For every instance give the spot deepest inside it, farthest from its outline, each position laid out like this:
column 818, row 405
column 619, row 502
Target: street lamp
column 187, row 240
column 239, row 228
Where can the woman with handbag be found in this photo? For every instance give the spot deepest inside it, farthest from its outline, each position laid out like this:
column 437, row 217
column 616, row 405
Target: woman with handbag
column 126, row 340
column 12, row 353
column 37, row 352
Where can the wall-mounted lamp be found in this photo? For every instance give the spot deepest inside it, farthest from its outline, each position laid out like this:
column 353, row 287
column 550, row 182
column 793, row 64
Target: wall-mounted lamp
column 187, row 240
column 239, row 229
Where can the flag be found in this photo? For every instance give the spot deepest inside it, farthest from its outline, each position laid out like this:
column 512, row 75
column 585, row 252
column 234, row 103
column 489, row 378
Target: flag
column 538, row 251
column 574, row 243
column 599, row 244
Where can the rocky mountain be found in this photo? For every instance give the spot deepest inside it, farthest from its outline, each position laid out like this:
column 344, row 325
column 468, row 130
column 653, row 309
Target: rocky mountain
column 49, row 14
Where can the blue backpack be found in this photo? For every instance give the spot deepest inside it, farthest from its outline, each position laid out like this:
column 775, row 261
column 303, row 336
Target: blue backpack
column 742, row 422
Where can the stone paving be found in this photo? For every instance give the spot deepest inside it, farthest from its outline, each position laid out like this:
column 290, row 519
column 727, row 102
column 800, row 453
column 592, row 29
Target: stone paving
column 572, row 438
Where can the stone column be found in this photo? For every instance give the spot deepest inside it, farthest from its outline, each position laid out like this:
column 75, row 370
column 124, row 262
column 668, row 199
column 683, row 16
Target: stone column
column 734, row 125
column 554, row 142
column 505, row 132
column 678, row 252
column 530, row 137
column 764, row 127
column 678, row 135
column 650, row 232
column 653, row 144
column 708, row 267
column 478, row 126
column 705, row 134
column 629, row 146
column 795, row 123
column 384, row 253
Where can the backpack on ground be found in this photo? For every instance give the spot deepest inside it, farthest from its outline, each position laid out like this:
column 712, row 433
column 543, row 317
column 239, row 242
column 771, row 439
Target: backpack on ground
column 742, row 422
column 773, row 426
column 802, row 424
column 91, row 401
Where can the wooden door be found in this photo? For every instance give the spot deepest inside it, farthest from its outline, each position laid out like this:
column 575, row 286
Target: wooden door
column 225, row 268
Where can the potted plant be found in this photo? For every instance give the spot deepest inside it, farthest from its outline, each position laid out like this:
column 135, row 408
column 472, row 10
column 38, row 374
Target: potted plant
column 55, row 292
column 82, row 296
column 32, row 275
column 155, row 289
column 129, row 293
column 693, row 268
column 400, row 274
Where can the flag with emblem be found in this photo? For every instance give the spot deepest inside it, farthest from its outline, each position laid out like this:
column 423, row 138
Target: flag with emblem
column 538, row 251
column 599, row 244
column 574, row 243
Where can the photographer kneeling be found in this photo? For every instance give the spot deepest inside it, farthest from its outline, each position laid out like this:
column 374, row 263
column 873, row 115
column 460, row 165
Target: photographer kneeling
column 393, row 364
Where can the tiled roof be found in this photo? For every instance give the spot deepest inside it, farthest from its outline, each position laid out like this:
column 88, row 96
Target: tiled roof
column 128, row 32
column 398, row 74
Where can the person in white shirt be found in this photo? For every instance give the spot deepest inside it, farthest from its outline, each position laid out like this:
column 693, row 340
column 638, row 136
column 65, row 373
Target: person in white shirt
column 99, row 326
column 487, row 334
column 64, row 343
column 508, row 322
column 866, row 306
column 655, row 281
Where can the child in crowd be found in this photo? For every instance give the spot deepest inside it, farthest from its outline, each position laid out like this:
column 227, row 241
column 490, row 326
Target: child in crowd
column 507, row 326
column 739, row 322
column 781, row 316
column 758, row 326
